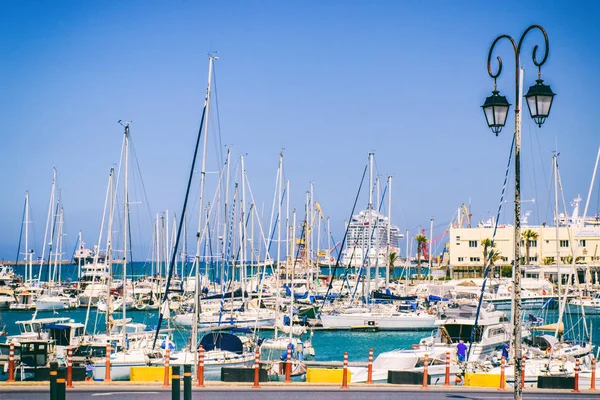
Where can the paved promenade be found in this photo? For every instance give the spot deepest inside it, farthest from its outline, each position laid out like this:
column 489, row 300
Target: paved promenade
column 278, row 391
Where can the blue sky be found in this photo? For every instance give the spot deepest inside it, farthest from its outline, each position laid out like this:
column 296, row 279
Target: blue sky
column 325, row 81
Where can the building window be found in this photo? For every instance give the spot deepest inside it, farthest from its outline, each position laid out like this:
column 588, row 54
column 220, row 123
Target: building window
column 458, row 238
column 472, row 243
column 533, row 243
column 505, row 259
column 595, row 258
column 582, row 243
column 475, row 259
column 564, row 243
column 532, row 258
column 461, row 259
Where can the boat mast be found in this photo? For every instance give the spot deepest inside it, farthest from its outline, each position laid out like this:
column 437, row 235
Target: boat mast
column 125, row 224
column 278, row 222
column 291, row 310
column 368, row 238
column 49, row 216
column 211, row 59
column 27, row 238
column 389, row 235
column 556, row 224
column 108, row 261
column 226, row 219
column 430, row 246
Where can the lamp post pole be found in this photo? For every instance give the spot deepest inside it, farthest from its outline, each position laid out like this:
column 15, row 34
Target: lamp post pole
column 539, row 98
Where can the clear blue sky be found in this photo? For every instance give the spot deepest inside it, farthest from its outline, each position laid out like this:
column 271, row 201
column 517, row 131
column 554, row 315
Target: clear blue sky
column 327, row 81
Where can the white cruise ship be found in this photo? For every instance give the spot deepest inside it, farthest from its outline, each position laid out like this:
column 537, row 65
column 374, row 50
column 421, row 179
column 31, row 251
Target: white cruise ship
column 368, row 236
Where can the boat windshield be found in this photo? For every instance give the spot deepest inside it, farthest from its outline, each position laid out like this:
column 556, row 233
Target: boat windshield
column 453, row 333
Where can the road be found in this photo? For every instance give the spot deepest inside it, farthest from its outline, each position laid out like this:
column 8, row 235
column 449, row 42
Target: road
column 289, row 393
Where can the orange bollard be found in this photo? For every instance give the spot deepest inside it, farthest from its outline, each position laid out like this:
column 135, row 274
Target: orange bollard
column 425, row 383
column 523, row 372
column 201, row 367
column 593, row 381
column 70, row 368
column 167, row 360
column 576, row 385
column 288, row 365
column 370, row 368
column 447, row 380
column 256, row 370
column 502, row 376
column 107, row 357
column 11, row 362
column 345, row 372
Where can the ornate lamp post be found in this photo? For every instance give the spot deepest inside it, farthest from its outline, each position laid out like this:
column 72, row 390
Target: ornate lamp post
column 539, row 100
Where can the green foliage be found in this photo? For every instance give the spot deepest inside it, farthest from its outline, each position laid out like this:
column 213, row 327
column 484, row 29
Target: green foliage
column 506, row 271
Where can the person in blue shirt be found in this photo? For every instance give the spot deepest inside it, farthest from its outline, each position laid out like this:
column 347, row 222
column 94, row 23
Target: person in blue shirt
column 461, row 351
column 505, row 348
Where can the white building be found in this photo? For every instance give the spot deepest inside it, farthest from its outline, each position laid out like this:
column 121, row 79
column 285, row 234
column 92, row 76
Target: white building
column 368, row 236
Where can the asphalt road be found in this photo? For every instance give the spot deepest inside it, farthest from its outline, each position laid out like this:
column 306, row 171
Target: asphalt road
column 291, row 393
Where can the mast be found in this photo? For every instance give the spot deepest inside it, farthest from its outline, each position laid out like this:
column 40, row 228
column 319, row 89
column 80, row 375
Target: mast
column 291, row 310
column 211, row 59
column 430, row 245
column 377, row 238
column 556, row 222
column 243, row 238
column 125, row 224
column 278, row 222
column 49, row 216
column 108, row 261
column 27, row 238
column 389, row 235
column 225, row 222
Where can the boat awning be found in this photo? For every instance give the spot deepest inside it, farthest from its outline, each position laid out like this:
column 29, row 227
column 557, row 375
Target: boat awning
column 55, row 326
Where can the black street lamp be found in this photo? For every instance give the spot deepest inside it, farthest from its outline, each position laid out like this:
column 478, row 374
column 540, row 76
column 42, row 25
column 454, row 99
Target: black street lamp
column 495, row 110
column 539, row 100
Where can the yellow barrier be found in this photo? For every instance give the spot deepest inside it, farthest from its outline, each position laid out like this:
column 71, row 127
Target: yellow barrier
column 326, row 375
column 148, row 374
column 483, row 380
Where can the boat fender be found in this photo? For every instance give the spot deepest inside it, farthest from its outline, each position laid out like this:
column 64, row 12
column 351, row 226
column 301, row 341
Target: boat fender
column 543, row 292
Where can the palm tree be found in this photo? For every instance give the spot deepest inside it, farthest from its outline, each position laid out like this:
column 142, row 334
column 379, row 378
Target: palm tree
column 528, row 236
column 547, row 260
column 486, row 243
column 392, row 257
column 494, row 256
column 421, row 240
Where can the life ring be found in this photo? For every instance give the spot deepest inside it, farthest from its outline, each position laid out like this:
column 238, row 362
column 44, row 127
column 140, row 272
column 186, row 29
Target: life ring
column 509, row 289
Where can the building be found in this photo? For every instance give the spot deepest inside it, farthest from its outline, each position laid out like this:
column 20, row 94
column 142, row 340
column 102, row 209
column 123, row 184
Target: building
column 368, row 235
column 572, row 238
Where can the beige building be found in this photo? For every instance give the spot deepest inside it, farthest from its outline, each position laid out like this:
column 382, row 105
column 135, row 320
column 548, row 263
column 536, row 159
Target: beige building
column 466, row 250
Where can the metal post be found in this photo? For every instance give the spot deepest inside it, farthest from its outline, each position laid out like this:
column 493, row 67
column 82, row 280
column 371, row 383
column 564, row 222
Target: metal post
column 502, row 376
column 60, row 385
column 288, row 363
column 70, row 368
column 345, row 372
column 447, row 380
column 53, row 376
column 200, row 372
column 523, row 373
column 576, row 385
column 256, row 370
column 187, row 382
column 11, row 362
column 107, row 358
column 175, row 383
column 593, row 381
column 370, row 368
column 166, row 376
column 425, row 383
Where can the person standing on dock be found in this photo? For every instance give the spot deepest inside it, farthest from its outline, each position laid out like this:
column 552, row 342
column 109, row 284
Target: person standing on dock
column 505, row 348
column 461, row 351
